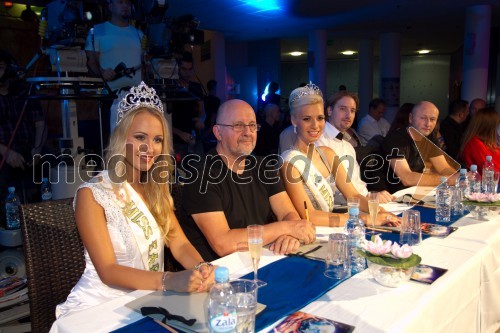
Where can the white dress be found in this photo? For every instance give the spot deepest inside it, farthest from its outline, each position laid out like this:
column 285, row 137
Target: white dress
column 90, row 290
column 320, row 190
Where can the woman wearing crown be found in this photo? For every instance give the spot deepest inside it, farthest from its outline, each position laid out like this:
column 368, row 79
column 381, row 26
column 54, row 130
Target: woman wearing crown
column 125, row 214
column 309, row 171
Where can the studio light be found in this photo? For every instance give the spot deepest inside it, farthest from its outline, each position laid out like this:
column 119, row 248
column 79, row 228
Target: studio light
column 423, row 51
column 348, row 52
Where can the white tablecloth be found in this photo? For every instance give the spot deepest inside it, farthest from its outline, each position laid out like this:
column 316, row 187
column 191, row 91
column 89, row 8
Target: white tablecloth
column 465, row 299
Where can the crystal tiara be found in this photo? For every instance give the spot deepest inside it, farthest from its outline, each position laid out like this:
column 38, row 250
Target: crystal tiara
column 308, row 89
column 141, row 96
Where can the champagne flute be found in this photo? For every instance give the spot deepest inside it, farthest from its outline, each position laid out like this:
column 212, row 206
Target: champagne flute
column 373, row 209
column 255, row 240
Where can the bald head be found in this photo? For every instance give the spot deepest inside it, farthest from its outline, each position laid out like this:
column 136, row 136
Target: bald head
column 232, row 141
column 424, row 117
column 229, row 107
column 476, row 105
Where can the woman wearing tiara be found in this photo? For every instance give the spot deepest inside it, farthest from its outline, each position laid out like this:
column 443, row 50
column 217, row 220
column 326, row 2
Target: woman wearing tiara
column 125, row 214
column 309, row 171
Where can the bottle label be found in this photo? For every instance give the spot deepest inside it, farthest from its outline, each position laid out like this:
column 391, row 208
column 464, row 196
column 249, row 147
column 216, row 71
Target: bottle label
column 46, row 196
column 225, row 322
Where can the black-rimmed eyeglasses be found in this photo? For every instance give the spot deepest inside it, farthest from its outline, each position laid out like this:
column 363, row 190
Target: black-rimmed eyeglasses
column 238, row 127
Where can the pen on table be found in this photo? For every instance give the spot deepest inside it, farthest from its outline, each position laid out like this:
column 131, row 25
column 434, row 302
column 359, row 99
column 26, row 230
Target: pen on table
column 307, row 211
column 383, row 230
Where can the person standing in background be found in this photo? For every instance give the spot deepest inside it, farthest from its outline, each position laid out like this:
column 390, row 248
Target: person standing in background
column 453, row 127
column 268, row 137
column 272, row 96
column 211, row 103
column 476, row 105
column 188, row 116
column 20, row 139
column 108, row 45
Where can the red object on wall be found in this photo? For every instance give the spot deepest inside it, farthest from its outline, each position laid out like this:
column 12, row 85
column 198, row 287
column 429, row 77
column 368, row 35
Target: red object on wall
column 8, row 4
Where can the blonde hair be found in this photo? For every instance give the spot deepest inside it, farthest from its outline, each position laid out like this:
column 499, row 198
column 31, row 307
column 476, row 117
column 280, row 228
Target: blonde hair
column 158, row 197
column 299, row 99
column 483, row 125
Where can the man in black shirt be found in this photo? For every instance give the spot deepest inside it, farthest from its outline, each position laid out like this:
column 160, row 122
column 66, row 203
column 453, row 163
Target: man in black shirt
column 231, row 189
column 407, row 152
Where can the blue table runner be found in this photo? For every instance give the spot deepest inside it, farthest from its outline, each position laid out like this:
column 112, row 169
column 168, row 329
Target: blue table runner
column 292, row 283
column 428, row 215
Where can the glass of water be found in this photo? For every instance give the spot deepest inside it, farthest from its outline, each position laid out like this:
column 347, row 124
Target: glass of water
column 245, row 299
column 411, row 233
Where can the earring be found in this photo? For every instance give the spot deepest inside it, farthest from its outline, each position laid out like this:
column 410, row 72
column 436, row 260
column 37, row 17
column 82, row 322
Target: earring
column 295, row 129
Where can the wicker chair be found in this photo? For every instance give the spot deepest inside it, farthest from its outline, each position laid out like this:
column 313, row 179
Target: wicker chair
column 54, row 257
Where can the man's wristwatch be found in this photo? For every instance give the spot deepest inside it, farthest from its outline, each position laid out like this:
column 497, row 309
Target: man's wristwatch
column 201, row 264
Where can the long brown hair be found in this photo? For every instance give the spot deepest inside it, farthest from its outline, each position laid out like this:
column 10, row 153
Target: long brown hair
column 483, row 125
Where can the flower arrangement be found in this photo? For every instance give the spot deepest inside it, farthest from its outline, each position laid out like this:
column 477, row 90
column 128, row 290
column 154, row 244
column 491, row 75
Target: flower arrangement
column 483, row 197
column 390, row 254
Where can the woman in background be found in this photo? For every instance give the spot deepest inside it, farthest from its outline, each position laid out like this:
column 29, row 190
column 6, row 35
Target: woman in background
column 480, row 139
column 125, row 214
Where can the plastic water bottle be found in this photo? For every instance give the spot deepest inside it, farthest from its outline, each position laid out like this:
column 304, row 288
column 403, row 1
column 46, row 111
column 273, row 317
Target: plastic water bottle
column 46, row 190
column 463, row 183
column 474, row 180
column 488, row 176
column 443, row 210
column 222, row 316
column 355, row 230
column 12, row 205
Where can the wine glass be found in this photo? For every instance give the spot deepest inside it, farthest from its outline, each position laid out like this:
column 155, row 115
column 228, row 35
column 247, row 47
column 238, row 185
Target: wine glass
column 255, row 240
column 373, row 209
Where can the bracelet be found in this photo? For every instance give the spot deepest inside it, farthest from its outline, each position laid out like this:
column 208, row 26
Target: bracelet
column 164, row 280
column 201, row 264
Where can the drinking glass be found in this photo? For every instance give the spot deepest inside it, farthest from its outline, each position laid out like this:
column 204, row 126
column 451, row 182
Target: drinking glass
column 352, row 202
column 411, row 233
column 337, row 259
column 373, row 209
column 255, row 240
column 245, row 299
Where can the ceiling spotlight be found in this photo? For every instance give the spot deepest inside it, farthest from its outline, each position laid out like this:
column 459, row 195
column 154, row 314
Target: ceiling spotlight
column 423, row 51
column 296, row 53
column 348, row 52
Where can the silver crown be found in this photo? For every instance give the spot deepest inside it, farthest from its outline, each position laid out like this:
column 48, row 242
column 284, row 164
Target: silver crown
column 141, row 96
column 308, row 89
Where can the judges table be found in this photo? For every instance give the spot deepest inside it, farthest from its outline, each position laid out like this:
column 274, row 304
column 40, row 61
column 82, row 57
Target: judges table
column 465, row 299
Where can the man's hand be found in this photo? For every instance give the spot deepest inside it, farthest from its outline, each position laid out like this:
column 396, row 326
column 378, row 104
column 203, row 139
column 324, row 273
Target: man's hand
column 15, row 160
column 285, row 245
column 384, row 197
column 304, row 231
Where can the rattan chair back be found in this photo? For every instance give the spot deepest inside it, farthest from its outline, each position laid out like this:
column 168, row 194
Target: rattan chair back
column 54, row 257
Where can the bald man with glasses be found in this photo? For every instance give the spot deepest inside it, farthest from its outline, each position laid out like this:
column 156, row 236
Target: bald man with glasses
column 231, row 189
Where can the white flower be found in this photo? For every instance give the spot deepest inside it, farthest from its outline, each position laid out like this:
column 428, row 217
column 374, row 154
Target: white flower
column 401, row 252
column 377, row 246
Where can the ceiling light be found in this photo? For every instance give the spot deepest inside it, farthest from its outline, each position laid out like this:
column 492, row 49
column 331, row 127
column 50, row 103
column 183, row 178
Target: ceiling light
column 423, row 51
column 348, row 52
column 296, row 53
